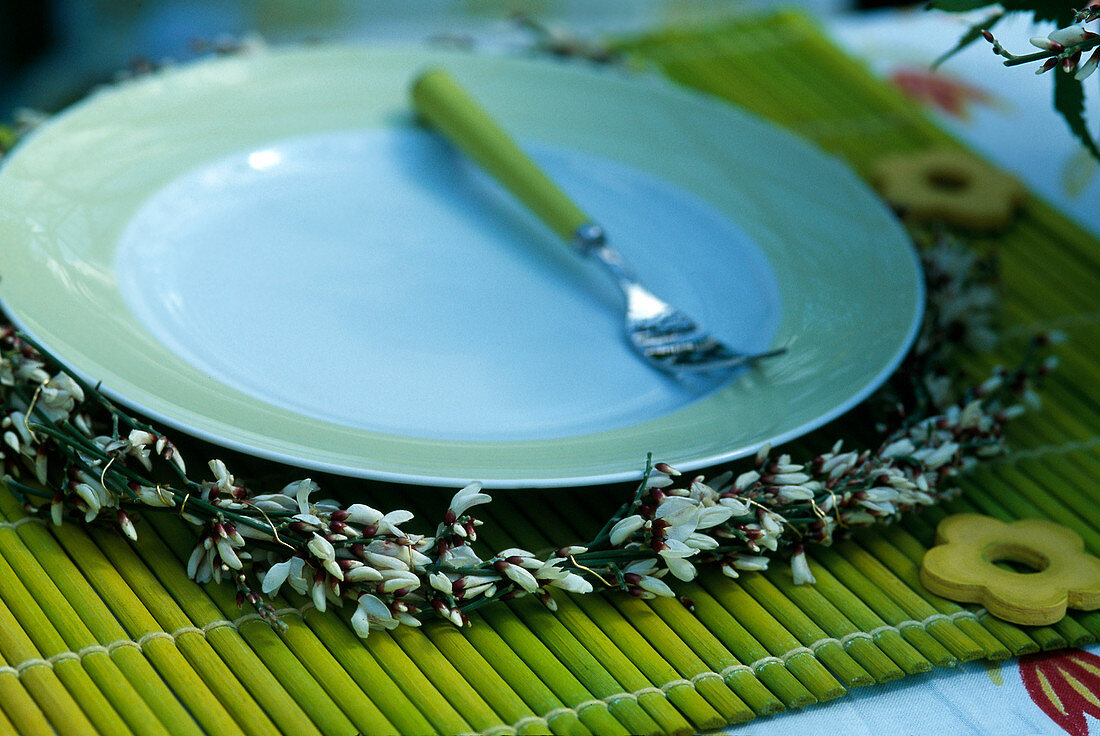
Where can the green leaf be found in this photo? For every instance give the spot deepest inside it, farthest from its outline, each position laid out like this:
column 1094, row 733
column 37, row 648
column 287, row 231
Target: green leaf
column 971, row 35
column 1069, row 100
column 1058, row 11
column 960, row 6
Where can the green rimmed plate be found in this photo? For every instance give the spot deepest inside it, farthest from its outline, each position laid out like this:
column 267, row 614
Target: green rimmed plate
column 265, row 251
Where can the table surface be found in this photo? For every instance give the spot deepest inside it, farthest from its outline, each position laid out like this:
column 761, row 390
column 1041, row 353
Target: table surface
column 973, row 699
column 970, row 698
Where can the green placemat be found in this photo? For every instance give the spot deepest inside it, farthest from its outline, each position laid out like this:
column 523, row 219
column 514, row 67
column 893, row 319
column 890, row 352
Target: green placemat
column 98, row 633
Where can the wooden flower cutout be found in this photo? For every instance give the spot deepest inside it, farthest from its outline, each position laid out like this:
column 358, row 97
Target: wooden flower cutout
column 950, row 186
column 1057, row 572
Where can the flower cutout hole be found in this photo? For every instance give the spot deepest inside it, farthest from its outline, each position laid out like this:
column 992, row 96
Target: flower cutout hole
column 1018, row 558
column 947, row 180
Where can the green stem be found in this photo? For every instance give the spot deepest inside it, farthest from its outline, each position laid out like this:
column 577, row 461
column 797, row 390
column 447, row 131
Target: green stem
column 605, row 533
column 1013, row 60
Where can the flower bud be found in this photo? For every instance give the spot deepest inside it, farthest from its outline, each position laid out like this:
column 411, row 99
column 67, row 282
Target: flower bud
column 1047, row 44
column 1084, row 71
column 1070, row 35
column 1047, row 65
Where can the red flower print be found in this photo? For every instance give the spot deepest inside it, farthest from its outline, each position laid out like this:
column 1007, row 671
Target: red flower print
column 1065, row 685
column 952, row 96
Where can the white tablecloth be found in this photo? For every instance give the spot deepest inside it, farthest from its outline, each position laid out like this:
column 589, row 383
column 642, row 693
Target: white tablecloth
column 1030, row 696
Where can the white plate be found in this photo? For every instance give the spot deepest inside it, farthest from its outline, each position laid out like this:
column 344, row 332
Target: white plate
column 267, row 252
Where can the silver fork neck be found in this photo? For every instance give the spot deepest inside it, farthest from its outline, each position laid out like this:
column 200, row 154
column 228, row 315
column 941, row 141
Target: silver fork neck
column 588, row 236
column 591, row 241
column 641, row 304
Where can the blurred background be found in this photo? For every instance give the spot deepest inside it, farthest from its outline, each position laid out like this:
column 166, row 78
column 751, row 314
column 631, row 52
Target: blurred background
column 53, row 51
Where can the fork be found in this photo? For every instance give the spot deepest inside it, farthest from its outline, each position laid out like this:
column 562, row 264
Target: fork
column 663, row 336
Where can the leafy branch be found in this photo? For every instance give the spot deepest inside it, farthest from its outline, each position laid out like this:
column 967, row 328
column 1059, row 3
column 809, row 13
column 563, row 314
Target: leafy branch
column 1062, row 49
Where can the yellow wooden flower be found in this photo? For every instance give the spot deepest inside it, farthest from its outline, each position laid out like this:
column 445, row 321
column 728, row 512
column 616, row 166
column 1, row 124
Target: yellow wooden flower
column 948, row 186
column 961, row 567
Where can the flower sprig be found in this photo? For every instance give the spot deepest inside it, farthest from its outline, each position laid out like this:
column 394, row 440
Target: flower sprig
column 1063, row 47
column 71, row 454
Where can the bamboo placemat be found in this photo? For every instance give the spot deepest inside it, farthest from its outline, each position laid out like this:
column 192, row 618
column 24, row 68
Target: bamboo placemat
column 100, row 634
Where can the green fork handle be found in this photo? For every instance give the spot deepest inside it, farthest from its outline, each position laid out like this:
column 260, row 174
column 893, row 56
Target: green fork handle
column 443, row 103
